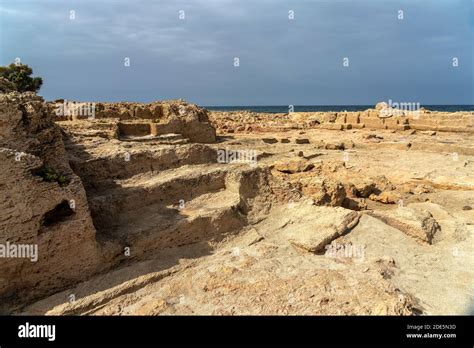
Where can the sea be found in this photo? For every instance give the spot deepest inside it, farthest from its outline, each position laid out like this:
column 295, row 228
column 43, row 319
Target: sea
column 315, row 108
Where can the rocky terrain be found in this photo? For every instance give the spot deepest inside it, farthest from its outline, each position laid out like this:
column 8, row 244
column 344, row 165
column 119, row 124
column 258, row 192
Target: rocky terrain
column 166, row 208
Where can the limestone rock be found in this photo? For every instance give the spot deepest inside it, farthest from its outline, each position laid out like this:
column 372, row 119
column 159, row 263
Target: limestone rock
column 419, row 224
column 382, row 183
column 43, row 203
column 324, row 191
column 302, row 141
column 387, row 197
column 294, row 166
column 361, row 187
column 328, row 224
column 270, row 140
column 334, row 146
column 420, row 189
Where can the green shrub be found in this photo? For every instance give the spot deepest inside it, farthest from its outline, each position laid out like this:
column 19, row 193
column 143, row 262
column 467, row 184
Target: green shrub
column 50, row 175
column 19, row 75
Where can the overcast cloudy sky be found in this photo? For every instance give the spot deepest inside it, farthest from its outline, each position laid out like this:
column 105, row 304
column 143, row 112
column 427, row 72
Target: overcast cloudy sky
column 282, row 61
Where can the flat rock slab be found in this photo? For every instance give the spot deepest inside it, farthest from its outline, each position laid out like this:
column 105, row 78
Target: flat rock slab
column 419, row 224
column 323, row 226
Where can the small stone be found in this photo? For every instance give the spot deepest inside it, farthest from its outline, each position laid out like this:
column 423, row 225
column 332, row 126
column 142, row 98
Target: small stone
column 334, row 146
column 269, row 140
column 294, row 166
column 422, row 189
column 387, row 260
column 386, row 197
column 381, row 106
column 374, row 136
column 302, row 141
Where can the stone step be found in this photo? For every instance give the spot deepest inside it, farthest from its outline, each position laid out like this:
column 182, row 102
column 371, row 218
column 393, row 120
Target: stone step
column 166, row 187
column 158, row 226
column 99, row 167
column 171, row 138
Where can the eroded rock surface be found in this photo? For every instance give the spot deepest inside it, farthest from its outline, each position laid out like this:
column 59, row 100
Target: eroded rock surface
column 301, row 213
column 323, row 225
column 43, row 204
column 419, row 224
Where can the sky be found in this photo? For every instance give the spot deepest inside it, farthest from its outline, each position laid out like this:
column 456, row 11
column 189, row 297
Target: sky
column 290, row 52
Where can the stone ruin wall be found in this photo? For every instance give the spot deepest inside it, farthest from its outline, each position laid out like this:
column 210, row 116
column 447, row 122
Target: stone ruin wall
column 138, row 119
column 424, row 120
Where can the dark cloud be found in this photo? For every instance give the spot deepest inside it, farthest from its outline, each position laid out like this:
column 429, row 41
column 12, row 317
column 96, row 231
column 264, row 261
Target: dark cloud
column 282, row 61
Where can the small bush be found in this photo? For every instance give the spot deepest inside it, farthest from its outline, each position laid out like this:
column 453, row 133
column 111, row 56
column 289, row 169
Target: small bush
column 50, row 175
column 20, row 76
